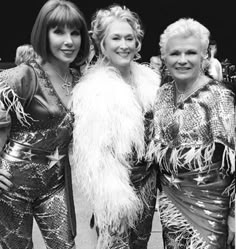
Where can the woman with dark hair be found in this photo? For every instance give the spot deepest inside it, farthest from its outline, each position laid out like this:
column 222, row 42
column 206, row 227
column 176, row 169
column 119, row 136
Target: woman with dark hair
column 35, row 179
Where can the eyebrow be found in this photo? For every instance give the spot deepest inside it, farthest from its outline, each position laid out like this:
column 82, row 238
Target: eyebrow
column 119, row 34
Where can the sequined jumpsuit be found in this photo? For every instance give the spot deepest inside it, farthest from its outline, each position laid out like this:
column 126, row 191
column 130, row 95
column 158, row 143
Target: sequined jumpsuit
column 36, row 155
column 194, row 144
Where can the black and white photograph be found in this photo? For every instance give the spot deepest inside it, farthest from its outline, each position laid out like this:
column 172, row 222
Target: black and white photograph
column 117, row 124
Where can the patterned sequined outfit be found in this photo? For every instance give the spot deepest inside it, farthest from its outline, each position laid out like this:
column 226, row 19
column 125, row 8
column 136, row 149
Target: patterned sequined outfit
column 194, row 144
column 36, row 155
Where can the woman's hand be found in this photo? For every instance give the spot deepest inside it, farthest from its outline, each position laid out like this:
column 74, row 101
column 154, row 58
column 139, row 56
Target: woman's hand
column 121, row 228
column 231, row 232
column 5, row 183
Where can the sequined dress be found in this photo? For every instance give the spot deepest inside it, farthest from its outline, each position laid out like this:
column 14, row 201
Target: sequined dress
column 194, row 145
column 36, row 154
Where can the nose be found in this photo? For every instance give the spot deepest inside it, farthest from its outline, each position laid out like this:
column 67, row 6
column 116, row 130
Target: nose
column 123, row 44
column 182, row 58
column 68, row 40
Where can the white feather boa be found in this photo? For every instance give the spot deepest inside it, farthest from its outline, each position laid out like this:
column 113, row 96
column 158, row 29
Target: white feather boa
column 109, row 117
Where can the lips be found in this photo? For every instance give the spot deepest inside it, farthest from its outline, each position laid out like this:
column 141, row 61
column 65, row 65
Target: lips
column 124, row 54
column 68, row 52
column 182, row 69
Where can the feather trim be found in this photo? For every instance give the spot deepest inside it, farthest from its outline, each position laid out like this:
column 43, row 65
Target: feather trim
column 194, row 158
column 171, row 216
column 109, row 125
column 230, row 191
column 147, row 82
column 181, row 146
column 11, row 100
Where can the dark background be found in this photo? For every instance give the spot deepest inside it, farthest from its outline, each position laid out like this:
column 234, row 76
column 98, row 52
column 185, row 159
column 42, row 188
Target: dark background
column 17, row 19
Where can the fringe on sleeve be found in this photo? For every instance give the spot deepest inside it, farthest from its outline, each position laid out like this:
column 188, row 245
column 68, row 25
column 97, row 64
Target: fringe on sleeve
column 10, row 83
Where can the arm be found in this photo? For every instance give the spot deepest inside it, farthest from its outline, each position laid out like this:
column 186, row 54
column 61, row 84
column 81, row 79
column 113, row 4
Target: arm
column 15, row 88
column 226, row 117
column 5, row 182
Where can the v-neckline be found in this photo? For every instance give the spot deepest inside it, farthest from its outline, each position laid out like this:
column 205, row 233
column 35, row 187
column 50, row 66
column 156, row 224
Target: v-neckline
column 177, row 104
column 51, row 86
column 55, row 91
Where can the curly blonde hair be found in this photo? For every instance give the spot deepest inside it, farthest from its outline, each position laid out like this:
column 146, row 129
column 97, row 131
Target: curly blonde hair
column 104, row 17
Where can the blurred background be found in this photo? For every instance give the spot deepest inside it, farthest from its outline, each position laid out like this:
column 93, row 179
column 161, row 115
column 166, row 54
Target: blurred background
column 17, row 18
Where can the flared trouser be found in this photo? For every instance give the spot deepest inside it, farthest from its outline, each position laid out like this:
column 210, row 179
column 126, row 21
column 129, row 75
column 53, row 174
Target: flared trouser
column 38, row 192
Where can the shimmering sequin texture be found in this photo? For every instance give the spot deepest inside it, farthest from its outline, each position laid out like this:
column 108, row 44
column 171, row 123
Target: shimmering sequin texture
column 36, row 155
column 194, row 144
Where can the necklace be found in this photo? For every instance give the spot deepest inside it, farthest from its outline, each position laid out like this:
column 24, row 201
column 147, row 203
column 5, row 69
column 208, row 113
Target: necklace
column 184, row 94
column 66, row 83
column 180, row 96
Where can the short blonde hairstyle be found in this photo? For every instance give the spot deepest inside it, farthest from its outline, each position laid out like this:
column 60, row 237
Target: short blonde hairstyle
column 25, row 53
column 104, row 17
column 185, row 27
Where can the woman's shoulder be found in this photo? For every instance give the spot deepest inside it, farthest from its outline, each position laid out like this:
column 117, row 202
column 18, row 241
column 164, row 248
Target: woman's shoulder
column 145, row 70
column 17, row 73
column 231, row 86
column 216, row 92
column 19, row 78
column 218, row 86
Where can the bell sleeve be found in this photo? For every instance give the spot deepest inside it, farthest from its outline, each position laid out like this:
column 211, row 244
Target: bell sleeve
column 17, row 86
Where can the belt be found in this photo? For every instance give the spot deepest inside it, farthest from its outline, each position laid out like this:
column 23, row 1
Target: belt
column 19, row 152
column 195, row 177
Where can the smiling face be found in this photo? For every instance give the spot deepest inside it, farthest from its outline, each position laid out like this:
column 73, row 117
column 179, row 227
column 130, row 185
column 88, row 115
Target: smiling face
column 183, row 58
column 64, row 44
column 120, row 44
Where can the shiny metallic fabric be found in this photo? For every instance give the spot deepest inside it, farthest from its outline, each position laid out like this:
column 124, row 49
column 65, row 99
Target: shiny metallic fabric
column 194, row 146
column 36, row 155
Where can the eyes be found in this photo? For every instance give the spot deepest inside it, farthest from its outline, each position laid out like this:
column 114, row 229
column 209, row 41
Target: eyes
column 178, row 53
column 118, row 38
column 62, row 31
